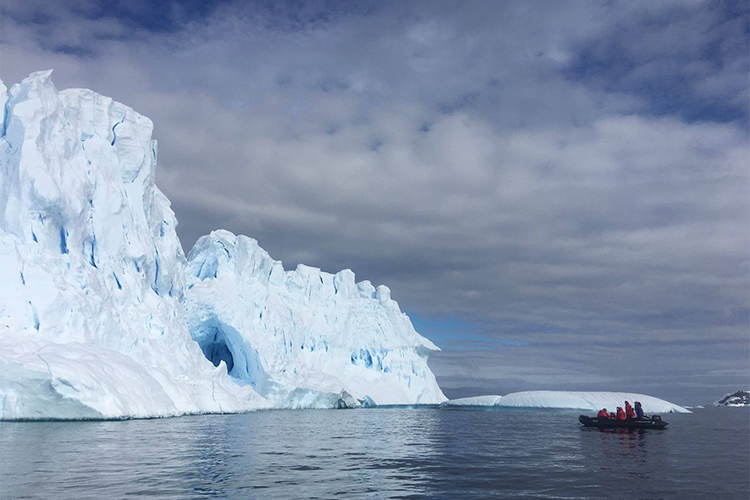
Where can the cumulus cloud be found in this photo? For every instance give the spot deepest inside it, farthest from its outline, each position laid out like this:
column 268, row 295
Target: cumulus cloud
column 562, row 187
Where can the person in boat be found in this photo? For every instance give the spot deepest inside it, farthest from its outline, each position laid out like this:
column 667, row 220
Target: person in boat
column 639, row 410
column 612, row 416
column 603, row 413
column 621, row 413
column 629, row 413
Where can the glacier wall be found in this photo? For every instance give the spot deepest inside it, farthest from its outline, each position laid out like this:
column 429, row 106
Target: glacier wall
column 101, row 316
column 91, row 268
column 283, row 330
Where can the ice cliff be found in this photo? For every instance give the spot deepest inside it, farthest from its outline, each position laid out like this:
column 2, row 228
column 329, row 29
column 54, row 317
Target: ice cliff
column 92, row 323
column 281, row 330
column 91, row 268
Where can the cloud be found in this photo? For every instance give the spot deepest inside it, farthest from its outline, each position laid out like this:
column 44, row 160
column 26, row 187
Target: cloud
column 568, row 180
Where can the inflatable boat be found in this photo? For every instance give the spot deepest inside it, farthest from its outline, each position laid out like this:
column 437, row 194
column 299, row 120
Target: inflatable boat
column 655, row 422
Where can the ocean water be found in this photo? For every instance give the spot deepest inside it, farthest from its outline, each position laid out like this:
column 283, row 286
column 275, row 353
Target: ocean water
column 377, row 453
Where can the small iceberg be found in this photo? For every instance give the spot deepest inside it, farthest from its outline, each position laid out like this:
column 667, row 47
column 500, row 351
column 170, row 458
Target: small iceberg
column 310, row 399
column 367, row 402
column 592, row 401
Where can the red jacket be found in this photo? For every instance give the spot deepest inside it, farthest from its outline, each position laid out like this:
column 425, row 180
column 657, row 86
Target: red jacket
column 621, row 414
column 629, row 413
column 603, row 413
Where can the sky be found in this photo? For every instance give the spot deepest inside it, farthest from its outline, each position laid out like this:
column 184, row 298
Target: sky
column 557, row 193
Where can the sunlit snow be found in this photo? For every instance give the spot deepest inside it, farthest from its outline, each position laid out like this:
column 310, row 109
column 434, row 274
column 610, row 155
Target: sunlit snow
column 95, row 321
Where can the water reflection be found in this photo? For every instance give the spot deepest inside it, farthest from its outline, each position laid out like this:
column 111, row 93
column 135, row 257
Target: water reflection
column 379, row 453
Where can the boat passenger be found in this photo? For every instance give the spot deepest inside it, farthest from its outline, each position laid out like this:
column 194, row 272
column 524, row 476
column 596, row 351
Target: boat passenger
column 603, row 413
column 629, row 413
column 639, row 410
column 621, row 413
column 612, row 416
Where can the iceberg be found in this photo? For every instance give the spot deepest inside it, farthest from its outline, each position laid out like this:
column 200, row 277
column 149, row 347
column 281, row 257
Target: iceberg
column 367, row 402
column 280, row 331
column 591, row 401
column 96, row 320
column 299, row 399
column 474, row 401
column 92, row 269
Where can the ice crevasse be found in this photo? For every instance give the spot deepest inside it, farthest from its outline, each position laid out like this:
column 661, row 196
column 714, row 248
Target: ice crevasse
column 101, row 315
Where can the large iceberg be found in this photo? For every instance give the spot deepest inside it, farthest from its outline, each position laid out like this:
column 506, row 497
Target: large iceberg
column 92, row 323
column 283, row 330
column 592, row 401
column 91, row 268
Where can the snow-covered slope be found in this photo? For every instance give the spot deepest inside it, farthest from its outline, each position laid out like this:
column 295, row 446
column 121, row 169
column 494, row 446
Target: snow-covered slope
column 279, row 330
column 91, row 268
column 573, row 400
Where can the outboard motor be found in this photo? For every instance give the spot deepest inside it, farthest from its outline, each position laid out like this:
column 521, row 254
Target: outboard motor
column 658, row 422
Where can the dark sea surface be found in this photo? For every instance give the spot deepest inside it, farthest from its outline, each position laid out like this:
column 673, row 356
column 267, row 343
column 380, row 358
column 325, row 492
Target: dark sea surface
column 377, row 453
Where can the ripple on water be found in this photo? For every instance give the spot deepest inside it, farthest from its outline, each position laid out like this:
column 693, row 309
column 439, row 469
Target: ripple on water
column 394, row 452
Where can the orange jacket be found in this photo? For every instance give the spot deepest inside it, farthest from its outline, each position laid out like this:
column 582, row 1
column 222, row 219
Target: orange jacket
column 603, row 413
column 629, row 413
column 621, row 414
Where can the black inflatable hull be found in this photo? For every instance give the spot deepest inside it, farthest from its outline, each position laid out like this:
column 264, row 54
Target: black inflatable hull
column 615, row 424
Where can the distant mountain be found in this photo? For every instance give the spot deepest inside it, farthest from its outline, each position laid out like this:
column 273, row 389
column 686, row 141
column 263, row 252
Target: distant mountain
column 739, row 398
